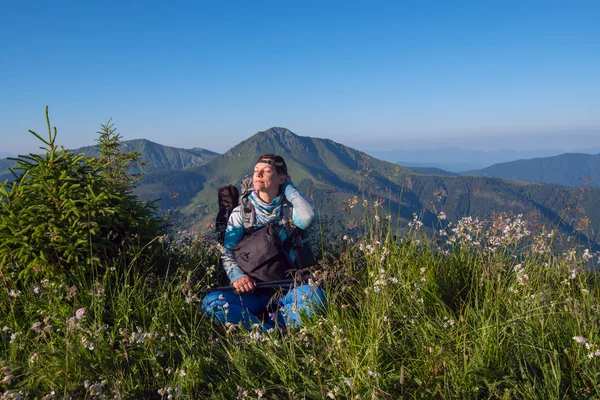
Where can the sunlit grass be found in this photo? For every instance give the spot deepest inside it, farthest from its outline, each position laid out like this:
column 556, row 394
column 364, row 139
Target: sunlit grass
column 482, row 311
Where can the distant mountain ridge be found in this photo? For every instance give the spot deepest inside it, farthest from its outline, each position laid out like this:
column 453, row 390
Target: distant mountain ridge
column 159, row 157
column 156, row 156
column 455, row 159
column 453, row 168
column 571, row 169
column 5, row 164
column 432, row 170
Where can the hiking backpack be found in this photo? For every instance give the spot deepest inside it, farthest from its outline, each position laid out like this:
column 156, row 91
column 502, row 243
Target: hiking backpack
column 229, row 198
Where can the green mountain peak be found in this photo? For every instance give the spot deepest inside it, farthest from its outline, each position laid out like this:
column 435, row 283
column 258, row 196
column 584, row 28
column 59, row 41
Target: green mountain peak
column 278, row 131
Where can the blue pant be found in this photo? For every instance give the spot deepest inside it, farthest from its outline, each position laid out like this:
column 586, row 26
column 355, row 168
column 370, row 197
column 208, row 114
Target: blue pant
column 229, row 306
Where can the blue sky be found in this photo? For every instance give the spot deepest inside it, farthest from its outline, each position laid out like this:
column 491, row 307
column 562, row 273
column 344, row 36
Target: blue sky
column 505, row 74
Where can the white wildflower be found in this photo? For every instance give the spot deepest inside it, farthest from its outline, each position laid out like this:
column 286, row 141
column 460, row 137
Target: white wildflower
column 579, row 339
column 87, row 343
column 594, row 354
column 13, row 336
column 80, row 314
column 518, row 268
column 415, row 225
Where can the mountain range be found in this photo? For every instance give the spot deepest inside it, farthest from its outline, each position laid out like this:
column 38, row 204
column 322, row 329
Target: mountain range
column 571, row 169
column 455, row 159
column 156, row 157
column 329, row 173
column 332, row 173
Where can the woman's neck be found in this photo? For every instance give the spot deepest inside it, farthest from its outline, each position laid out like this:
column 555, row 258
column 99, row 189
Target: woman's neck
column 267, row 197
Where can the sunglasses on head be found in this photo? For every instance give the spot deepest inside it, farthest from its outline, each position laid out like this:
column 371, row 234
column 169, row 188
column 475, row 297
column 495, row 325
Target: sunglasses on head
column 271, row 162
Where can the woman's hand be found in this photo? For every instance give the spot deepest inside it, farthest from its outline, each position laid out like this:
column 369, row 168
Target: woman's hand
column 244, row 284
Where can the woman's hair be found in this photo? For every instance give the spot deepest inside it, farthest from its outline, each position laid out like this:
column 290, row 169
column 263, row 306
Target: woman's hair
column 277, row 161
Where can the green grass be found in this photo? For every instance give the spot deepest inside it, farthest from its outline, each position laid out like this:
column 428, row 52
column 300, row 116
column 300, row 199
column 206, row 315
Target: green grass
column 404, row 320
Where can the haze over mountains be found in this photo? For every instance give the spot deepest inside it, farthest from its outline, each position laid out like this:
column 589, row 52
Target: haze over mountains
column 569, row 169
column 455, row 159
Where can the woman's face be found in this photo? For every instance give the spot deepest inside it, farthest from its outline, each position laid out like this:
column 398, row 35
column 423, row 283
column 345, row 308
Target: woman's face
column 266, row 178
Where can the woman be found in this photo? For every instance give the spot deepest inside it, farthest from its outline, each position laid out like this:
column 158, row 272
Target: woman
column 272, row 187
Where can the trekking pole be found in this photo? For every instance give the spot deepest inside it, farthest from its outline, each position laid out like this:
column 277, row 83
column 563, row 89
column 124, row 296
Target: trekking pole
column 280, row 283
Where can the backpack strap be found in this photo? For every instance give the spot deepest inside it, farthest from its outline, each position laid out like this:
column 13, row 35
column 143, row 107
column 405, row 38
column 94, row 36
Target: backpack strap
column 247, row 209
column 293, row 241
column 287, row 217
column 248, row 213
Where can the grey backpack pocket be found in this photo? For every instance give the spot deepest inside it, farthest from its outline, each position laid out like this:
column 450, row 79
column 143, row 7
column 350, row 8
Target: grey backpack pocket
column 260, row 254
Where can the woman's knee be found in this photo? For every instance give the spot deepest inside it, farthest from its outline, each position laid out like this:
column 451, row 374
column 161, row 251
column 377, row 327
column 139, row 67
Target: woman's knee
column 308, row 297
column 312, row 294
column 212, row 301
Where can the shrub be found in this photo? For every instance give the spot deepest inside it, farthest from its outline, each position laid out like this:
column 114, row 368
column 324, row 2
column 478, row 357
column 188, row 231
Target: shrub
column 64, row 212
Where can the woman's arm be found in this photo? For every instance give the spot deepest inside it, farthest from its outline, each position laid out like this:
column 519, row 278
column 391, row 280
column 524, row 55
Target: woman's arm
column 233, row 235
column 303, row 213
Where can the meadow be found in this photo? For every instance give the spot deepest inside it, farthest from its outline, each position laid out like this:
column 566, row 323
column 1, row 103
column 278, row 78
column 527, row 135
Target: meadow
column 478, row 309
